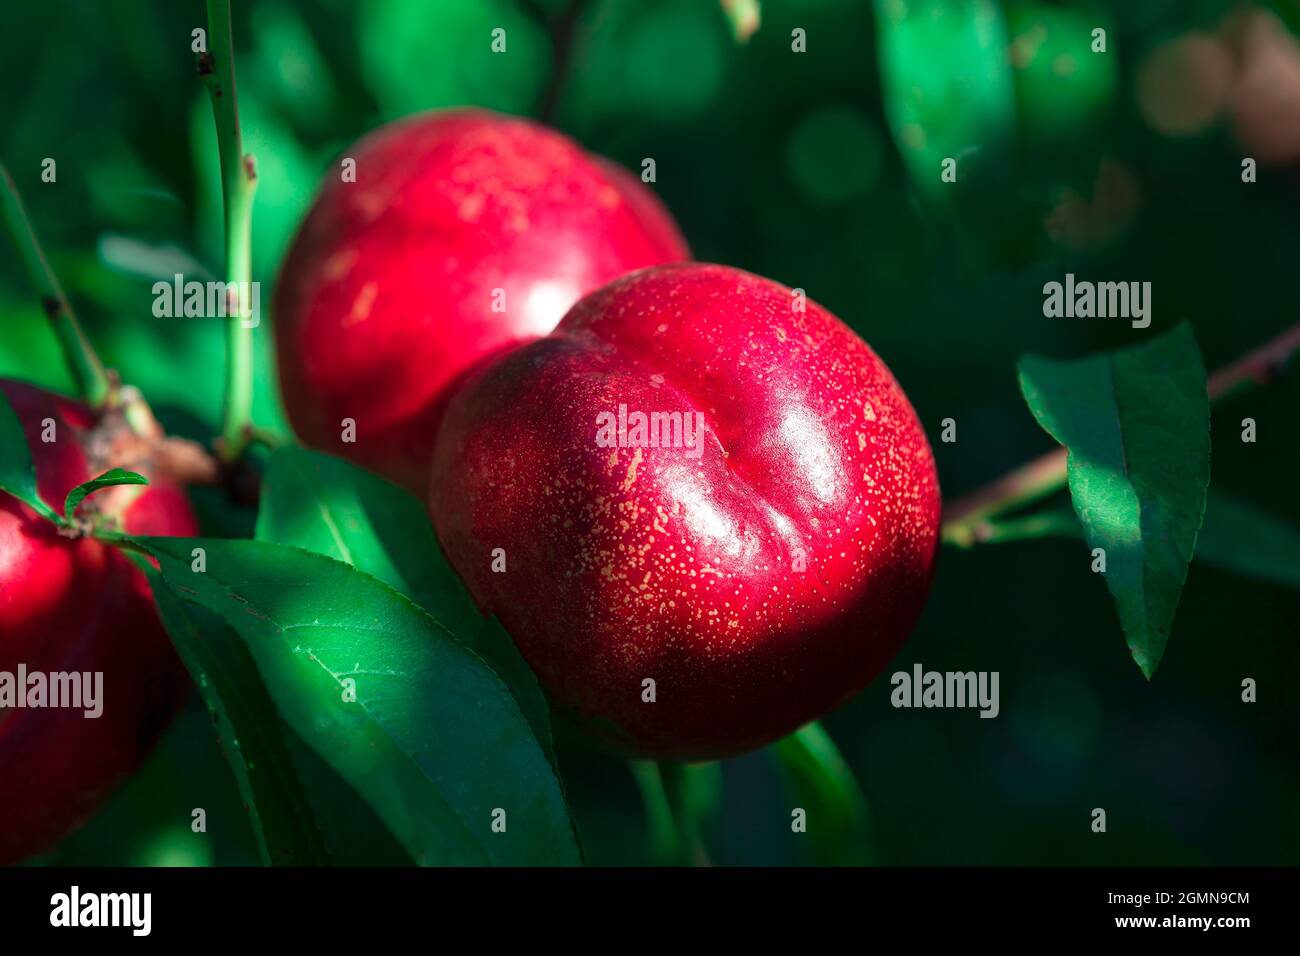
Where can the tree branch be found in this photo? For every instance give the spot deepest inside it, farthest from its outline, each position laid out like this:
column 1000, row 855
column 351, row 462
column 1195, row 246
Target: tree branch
column 562, row 37
column 94, row 384
column 966, row 520
column 238, row 183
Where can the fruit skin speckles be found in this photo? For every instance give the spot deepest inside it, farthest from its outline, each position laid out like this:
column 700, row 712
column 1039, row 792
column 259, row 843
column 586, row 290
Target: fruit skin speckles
column 78, row 606
column 386, row 296
column 812, row 458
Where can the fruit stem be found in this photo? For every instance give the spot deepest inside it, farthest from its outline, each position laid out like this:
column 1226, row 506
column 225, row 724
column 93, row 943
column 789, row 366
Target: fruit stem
column 819, row 775
column 675, row 837
column 677, row 780
column 562, row 41
column 238, row 183
column 967, row 520
column 666, row 844
column 94, row 384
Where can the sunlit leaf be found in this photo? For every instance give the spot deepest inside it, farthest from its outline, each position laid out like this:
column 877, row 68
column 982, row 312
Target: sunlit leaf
column 324, row 504
column 409, row 716
column 947, row 83
column 1062, row 86
column 327, row 505
column 417, row 55
column 1136, row 423
column 28, row 350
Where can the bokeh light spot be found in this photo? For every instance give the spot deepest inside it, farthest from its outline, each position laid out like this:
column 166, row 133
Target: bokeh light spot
column 1184, row 84
column 835, row 155
column 673, row 64
column 417, row 55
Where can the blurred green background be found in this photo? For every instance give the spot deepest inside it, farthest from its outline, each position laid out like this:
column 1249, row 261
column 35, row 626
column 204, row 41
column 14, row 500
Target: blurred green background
column 820, row 170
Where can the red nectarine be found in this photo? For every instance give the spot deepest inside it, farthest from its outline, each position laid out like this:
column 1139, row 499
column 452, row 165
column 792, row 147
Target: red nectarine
column 77, row 606
column 463, row 233
column 704, row 509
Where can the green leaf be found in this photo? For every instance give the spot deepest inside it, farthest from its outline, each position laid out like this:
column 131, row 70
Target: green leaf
column 1235, row 536
column 433, row 740
column 1063, row 89
column 1136, row 423
column 302, row 811
column 17, row 473
column 27, row 350
column 349, row 826
column 327, row 505
column 838, row 822
column 947, row 83
column 416, row 55
column 114, row 476
column 247, row 725
column 496, row 647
